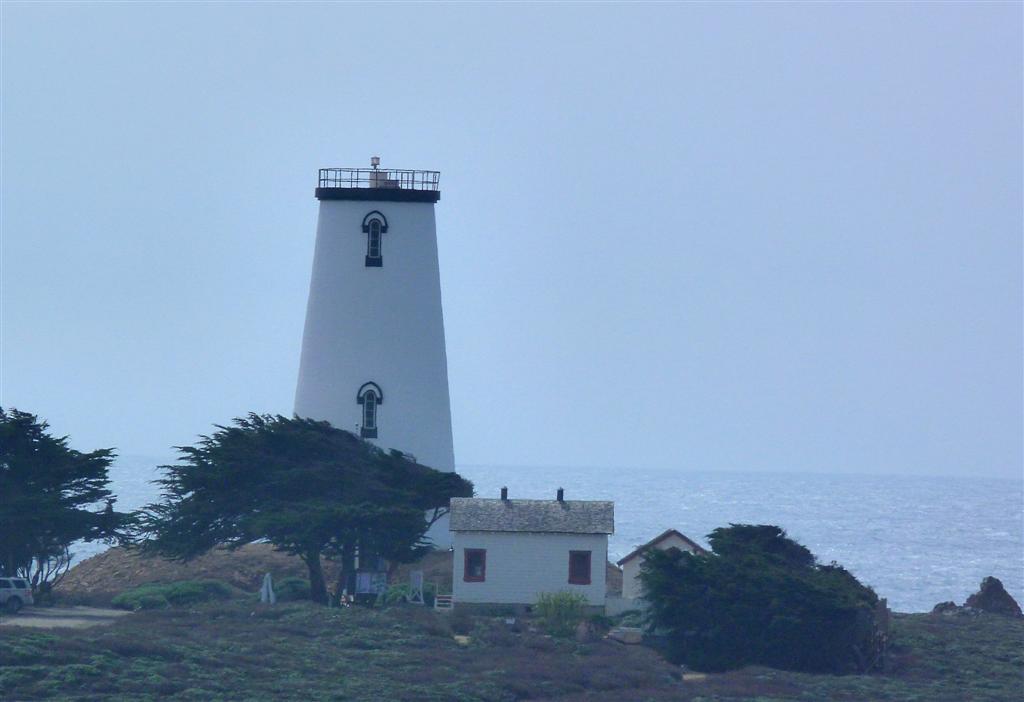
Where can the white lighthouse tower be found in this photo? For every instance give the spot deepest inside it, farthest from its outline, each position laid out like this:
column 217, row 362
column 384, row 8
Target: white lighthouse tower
column 373, row 351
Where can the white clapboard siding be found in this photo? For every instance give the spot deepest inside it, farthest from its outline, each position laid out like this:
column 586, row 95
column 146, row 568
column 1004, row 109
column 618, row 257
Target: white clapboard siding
column 521, row 566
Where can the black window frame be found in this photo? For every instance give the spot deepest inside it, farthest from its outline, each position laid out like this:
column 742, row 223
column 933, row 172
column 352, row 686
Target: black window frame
column 366, row 390
column 374, row 240
column 375, row 225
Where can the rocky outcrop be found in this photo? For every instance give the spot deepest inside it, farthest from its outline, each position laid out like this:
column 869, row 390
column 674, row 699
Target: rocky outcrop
column 994, row 599
column 586, row 632
column 627, row 634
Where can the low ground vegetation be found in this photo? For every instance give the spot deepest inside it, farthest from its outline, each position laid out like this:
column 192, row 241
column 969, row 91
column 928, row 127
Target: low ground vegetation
column 185, row 592
column 97, row 580
column 235, row 649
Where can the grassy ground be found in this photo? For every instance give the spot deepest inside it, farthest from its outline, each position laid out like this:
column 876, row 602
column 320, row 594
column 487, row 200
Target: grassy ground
column 296, row 651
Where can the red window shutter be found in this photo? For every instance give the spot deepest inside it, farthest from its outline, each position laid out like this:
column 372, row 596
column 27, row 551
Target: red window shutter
column 579, row 567
column 474, row 565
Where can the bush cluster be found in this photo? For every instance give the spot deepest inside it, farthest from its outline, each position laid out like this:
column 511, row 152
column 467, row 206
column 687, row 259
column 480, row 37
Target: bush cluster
column 398, row 593
column 182, row 592
column 759, row 598
column 560, row 612
column 291, row 589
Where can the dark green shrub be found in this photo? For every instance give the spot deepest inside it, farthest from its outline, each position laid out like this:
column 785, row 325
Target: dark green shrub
column 497, row 611
column 395, row 594
column 759, row 598
column 560, row 612
column 399, row 593
column 186, row 592
column 183, row 592
column 292, row 589
column 140, row 598
column 761, row 541
column 600, row 622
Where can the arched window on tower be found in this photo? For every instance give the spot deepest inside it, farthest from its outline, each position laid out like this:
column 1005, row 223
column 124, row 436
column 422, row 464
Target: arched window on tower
column 370, row 398
column 373, row 241
column 374, row 225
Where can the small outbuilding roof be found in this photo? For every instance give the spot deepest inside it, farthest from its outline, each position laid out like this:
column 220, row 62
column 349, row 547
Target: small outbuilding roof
column 653, row 543
column 539, row 516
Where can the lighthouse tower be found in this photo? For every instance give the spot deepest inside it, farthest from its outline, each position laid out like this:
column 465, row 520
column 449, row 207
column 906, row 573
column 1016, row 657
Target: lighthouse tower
column 373, row 353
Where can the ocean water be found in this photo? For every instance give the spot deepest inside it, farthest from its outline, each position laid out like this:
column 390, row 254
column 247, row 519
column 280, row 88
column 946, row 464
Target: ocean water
column 916, row 540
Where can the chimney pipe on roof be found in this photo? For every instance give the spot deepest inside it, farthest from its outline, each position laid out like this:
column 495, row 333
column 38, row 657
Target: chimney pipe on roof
column 561, row 495
column 504, row 494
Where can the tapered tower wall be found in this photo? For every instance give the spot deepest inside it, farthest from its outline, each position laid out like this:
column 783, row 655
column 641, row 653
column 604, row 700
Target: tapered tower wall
column 379, row 321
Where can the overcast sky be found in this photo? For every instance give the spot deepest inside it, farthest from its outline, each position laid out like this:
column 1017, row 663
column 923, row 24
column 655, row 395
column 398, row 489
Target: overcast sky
column 701, row 237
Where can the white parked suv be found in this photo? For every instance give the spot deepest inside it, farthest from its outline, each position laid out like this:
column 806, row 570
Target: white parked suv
column 15, row 593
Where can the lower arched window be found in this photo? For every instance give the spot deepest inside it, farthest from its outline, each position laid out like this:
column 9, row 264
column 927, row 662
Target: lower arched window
column 370, row 398
column 370, row 412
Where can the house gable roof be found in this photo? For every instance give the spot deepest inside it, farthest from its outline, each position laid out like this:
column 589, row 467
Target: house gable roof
column 538, row 516
column 653, row 543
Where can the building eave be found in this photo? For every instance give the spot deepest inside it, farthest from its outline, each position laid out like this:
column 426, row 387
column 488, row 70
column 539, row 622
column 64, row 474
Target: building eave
column 657, row 540
column 378, row 194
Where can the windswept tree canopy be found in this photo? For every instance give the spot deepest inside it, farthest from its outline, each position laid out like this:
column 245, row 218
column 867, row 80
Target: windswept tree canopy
column 305, row 486
column 759, row 541
column 50, row 496
column 760, row 598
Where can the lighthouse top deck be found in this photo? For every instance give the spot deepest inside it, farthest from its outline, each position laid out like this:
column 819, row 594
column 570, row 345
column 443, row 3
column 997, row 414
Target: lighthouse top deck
column 390, row 184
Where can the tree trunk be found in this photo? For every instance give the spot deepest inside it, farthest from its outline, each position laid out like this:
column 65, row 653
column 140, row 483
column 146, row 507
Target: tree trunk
column 347, row 572
column 317, row 586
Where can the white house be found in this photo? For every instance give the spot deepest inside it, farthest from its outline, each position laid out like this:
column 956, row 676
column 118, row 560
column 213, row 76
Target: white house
column 630, row 564
column 507, row 552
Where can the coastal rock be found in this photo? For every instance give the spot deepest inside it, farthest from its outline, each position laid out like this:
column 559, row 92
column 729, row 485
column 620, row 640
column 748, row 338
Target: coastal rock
column 946, row 608
column 585, row 632
column 994, row 599
column 626, row 635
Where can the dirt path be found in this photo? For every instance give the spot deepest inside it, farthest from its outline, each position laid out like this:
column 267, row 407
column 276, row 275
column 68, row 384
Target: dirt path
column 61, row 617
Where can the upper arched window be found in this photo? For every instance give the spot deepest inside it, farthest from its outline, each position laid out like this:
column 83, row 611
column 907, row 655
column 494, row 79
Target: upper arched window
column 370, row 398
column 374, row 225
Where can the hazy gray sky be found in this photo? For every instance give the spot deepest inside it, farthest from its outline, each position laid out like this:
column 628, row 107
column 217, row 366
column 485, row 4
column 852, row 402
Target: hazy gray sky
column 768, row 237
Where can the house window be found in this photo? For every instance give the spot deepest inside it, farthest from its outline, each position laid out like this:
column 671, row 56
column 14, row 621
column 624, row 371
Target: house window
column 474, row 567
column 370, row 397
column 579, row 567
column 374, row 225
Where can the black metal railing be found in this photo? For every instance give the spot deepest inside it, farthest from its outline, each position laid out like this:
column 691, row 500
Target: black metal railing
column 379, row 178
